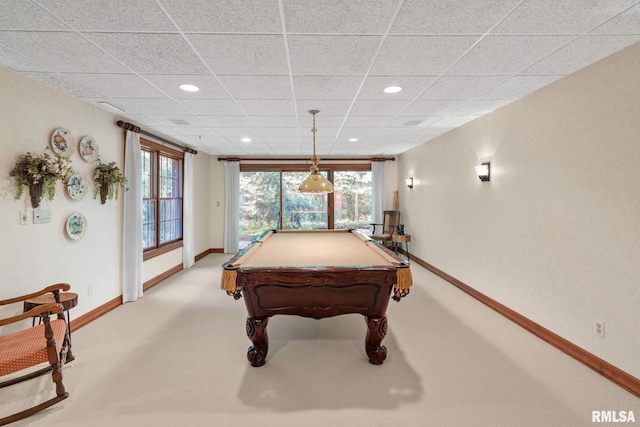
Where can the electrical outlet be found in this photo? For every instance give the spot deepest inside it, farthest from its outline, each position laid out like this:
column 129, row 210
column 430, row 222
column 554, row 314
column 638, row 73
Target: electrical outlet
column 599, row 328
column 89, row 290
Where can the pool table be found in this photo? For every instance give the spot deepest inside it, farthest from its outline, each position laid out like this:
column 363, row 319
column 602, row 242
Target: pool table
column 317, row 274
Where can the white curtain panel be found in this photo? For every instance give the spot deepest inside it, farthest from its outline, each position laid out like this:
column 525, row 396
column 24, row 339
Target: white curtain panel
column 378, row 199
column 132, row 227
column 232, row 207
column 188, row 230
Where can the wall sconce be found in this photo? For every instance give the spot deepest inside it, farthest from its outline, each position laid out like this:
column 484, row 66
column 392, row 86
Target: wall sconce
column 409, row 182
column 484, row 171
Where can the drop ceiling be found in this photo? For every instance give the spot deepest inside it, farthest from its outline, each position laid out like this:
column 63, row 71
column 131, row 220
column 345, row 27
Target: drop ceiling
column 262, row 64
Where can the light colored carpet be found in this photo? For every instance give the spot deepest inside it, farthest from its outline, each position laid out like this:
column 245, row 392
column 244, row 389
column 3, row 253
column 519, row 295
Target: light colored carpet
column 177, row 357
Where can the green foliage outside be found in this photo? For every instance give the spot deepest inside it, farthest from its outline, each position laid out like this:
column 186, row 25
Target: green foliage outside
column 260, row 202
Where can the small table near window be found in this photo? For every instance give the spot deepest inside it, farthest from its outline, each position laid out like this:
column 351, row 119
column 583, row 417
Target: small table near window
column 399, row 239
column 67, row 299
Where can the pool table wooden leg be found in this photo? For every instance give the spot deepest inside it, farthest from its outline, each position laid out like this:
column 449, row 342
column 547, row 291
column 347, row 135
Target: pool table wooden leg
column 377, row 329
column 257, row 333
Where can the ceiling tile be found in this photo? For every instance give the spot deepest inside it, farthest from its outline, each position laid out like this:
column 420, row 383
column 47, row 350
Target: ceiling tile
column 173, row 117
column 450, row 122
column 454, row 59
column 66, row 84
column 260, row 107
column 338, row 16
column 274, row 121
column 507, row 55
column 209, row 86
column 326, row 87
column 242, row 54
column 412, row 121
column 480, row 107
column 118, row 85
column 326, row 107
column 411, row 87
column 226, row 121
column 139, row 15
column 18, row 62
column 289, row 140
column 556, row 17
column 147, row 53
column 25, row 15
column 462, row 87
column 223, row 16
column 403, row 132
column 580, row 53
column 377, row 107
column 342, row 55
column 197, row 131
column 305, row 121
column 431, row 107
column 451, row 16
column 258, row 87
column 625, row 23
column 367, row 122
column 518, row 86
column 143, row 106
column 210, row 107
column 291, row 132
column 78, row 55
column 420, row 55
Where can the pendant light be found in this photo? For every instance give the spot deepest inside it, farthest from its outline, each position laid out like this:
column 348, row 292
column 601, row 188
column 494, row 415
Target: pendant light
column 315, row 183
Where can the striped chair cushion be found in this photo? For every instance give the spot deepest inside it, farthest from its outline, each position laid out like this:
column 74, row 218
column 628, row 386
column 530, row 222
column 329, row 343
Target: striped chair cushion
column 26, row 348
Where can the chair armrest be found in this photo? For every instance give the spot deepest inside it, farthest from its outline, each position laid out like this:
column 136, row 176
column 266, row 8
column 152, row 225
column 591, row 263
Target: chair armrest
column 51, row 288
column 49, row 309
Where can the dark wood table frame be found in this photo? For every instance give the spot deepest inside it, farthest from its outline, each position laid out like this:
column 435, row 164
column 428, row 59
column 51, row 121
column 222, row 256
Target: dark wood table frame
column 316, row 293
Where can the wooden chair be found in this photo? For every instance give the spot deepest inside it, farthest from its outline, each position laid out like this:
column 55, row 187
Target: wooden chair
column 27, row 348
column 384, row 232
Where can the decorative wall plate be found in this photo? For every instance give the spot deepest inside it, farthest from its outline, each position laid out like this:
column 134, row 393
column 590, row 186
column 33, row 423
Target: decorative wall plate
column 89, row 149
column 62, row 142
column 77, row 186
column 76, row 226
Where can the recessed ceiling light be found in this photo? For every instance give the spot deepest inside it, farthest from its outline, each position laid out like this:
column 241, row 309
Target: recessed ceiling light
column 246, row 139
column 353, row 139
column 392, row 89
column 189, row 88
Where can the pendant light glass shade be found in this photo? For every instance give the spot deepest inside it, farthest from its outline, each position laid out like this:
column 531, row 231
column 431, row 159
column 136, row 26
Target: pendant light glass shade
column 315, row 183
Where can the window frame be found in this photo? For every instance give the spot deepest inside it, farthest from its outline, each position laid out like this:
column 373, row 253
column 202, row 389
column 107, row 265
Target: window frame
column 329, row 168
column 158, row 150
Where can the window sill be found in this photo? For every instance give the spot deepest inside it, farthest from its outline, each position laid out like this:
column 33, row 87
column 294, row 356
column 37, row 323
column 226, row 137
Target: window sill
column 152, row 253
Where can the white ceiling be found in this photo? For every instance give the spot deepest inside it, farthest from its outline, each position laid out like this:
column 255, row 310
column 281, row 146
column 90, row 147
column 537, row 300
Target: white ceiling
column 262, row 64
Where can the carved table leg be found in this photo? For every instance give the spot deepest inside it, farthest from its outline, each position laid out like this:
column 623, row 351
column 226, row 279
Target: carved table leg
column 257, row 333
column 377, row 329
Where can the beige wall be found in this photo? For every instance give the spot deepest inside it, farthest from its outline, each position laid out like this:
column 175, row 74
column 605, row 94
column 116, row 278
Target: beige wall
column 555, row 234
column 35, row 255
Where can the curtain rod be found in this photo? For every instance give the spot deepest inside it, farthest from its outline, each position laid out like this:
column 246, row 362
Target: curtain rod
column 300, row 159
column 134, row 128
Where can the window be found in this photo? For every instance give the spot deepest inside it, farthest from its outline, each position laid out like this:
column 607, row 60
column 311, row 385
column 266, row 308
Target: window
column 162, row 178
column 269, row 199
